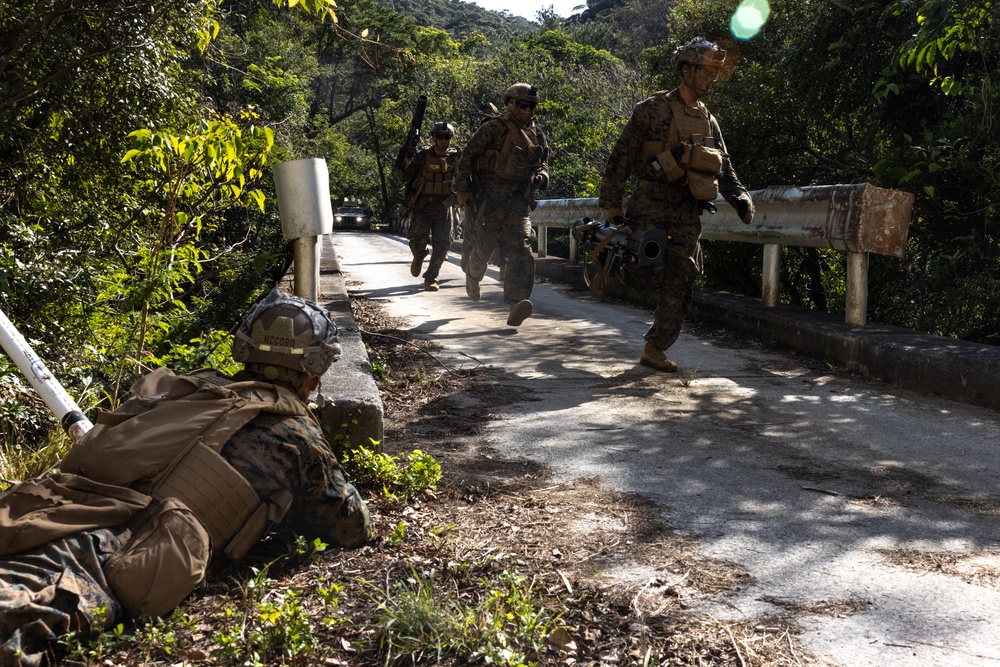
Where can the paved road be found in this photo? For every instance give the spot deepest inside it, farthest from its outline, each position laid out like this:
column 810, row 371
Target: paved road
column 744, row 448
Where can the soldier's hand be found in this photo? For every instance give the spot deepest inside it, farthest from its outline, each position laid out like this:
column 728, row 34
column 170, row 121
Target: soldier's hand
column 613, row 214
column 463, row 197
column 744, row 208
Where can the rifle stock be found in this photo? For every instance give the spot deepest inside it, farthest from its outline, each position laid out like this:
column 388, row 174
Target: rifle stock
column 413, row 135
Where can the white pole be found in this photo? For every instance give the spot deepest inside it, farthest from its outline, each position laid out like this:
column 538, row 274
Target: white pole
column 34, row 369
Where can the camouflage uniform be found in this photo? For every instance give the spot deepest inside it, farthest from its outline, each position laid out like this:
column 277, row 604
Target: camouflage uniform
column 656, row 203
column 60, row 587
column 503, row 205
column 430, row 219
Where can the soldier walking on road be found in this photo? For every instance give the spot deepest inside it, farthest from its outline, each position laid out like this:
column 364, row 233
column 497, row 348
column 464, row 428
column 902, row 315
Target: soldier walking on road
column 674, row 148
column 501, row 167
column 429, row 177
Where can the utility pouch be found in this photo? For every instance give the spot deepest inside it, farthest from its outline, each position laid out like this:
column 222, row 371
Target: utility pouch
column 163, row 561
column 703, row 187
column 704, row 168
column 668, row 164
column 705, row 159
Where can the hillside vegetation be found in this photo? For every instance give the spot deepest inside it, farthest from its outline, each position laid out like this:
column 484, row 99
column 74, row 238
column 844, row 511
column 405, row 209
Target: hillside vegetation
column 137, row 212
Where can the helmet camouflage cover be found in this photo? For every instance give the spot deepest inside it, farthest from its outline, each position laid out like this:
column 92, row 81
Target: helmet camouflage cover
column 288, row 332
column 698, row 51
column 521, row 92
column 443, row 129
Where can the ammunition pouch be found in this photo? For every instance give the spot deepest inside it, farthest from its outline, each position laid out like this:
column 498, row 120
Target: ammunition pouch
column 668, row 164
column 704, row 166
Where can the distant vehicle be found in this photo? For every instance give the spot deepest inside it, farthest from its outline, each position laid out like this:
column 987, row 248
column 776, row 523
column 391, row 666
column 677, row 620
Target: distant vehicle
column 351, row 217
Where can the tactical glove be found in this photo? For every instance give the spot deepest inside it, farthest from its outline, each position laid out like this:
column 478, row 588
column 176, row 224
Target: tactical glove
column 463, row 197
column 744, row 208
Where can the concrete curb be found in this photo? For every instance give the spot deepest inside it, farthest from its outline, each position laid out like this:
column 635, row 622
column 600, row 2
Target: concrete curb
column 351, row 407
column 934, row 365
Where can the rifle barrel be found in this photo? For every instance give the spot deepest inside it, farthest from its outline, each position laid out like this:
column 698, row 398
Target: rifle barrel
column 69, row 414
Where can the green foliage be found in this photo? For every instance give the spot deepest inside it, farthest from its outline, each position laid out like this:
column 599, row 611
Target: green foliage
column 96, row 645
column 423, row 622
column 404, row 478
column 272, row 627
column 160, row 637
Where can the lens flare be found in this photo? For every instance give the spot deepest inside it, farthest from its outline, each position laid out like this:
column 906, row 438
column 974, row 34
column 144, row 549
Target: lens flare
column 749, row 18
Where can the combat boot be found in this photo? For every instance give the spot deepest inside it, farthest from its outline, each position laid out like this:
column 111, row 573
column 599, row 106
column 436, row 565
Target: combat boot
column 519, row 312
column 431, row 285
column 652, row 356
column 416, row 264
column 472, row 288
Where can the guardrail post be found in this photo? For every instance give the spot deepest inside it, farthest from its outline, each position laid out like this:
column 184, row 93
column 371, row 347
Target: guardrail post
column 306, row 260
column 543, row 240
column 856, row 307
column 574, row 249
column 303, row 191
column 771, row 275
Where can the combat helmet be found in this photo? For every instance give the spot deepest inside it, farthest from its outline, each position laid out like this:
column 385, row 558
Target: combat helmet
column 698, row 51
column 285, row 336
column 521, row 92
column 442, row 128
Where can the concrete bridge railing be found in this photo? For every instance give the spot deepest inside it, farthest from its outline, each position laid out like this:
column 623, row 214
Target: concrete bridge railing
column 856, row 219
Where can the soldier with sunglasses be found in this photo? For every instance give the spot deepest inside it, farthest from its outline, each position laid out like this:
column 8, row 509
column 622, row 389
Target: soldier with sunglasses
column 506, row 161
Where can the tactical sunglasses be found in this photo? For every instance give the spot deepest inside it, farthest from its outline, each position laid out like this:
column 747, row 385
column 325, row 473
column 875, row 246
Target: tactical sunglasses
column 526, row 105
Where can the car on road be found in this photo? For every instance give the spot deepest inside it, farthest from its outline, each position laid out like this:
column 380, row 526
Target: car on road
column 351, row 217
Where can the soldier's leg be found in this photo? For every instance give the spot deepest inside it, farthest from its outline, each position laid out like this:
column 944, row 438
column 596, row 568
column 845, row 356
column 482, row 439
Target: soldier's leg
column 440, row 243
column 514, row 244
column 486, row 240
column 419, row 235
column 674, row 298
column 54, row 589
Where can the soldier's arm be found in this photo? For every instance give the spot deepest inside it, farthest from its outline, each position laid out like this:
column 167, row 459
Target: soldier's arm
column 729, row 182
column 477, row 145
column 619, row 165
column 543, row 172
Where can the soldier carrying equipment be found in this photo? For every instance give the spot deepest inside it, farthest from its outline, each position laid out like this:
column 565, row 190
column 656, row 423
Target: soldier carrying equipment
column 409, row 147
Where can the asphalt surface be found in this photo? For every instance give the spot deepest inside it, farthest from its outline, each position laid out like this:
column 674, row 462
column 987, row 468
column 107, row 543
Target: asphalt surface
column 811, row 480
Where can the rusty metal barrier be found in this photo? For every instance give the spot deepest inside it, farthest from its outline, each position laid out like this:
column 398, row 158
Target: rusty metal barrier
column 856, row 219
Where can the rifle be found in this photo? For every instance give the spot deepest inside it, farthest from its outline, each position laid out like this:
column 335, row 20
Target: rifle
column 410, row 145
column 69, row 414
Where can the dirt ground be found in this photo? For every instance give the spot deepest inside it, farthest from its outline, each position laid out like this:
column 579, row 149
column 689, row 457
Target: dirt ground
column 506, row 514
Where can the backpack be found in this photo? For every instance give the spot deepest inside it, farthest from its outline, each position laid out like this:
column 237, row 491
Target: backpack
column 165, row 439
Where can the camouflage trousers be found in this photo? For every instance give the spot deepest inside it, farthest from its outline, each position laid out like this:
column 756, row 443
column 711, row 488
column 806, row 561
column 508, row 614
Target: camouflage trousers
column 52, row 590
column 506, row 228
column 430, row 224
column 672, row 280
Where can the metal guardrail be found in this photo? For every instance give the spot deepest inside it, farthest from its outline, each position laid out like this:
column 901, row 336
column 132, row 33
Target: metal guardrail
column 856, row 219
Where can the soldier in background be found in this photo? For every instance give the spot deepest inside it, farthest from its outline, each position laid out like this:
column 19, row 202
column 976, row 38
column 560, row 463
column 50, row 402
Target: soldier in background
column 674, row 148
column 429, row 178
column 78, row 552
column 506, row 159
